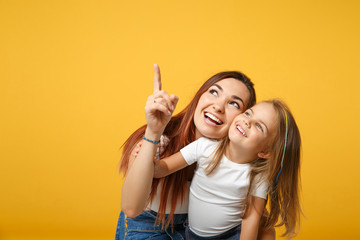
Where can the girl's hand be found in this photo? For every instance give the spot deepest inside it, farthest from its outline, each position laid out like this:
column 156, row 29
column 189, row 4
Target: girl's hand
column 159, row 107
column 164, row 141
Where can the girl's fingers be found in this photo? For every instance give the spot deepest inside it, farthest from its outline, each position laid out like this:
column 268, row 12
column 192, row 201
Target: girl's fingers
column 137, row 148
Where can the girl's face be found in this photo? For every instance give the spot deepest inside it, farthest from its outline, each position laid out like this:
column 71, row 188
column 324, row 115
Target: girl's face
column 254, row 130
column 218, row 106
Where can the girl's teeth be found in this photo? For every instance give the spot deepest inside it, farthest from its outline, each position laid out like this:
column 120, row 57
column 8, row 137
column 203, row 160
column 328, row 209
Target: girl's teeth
column 241, row 130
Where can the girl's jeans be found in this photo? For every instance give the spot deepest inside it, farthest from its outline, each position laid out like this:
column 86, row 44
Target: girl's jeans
column 143, row 227
column 232, row 234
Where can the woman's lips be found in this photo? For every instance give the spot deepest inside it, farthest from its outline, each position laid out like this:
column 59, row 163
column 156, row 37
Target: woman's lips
column 212, row 118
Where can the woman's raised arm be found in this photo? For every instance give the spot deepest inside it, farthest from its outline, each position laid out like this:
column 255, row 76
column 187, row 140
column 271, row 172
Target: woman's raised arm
column 137, row 185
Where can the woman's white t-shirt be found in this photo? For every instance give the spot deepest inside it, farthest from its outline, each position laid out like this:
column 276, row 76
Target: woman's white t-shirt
column 215, row 199
column 182, row 204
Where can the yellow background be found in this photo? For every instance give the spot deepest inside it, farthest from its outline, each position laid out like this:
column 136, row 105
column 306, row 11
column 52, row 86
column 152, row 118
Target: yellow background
column 75, row 76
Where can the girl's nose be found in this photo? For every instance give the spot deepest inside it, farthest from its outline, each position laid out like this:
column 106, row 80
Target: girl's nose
column 247, row 122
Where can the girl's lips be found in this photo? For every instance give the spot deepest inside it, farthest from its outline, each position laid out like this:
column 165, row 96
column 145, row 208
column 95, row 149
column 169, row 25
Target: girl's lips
column 212, row 119
column 241, row 130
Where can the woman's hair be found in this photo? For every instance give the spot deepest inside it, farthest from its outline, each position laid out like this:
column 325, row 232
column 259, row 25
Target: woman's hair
column 283, row 187
column 181, row 131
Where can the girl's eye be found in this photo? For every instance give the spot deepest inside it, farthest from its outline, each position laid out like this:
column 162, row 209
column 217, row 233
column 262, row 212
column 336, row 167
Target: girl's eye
column 213, row 92
column 247, row 114
column 235, row 104
column 259, row 127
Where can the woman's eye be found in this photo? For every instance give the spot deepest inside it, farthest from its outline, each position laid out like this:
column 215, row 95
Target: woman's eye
column 213, row 92
column 235, row 104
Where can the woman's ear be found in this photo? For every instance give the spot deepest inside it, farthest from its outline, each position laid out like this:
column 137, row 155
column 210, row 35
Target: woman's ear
column 265, row 154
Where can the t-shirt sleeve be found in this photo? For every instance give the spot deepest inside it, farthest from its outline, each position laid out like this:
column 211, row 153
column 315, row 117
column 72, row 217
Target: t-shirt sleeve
column 260, row 189
column 193, row 151
column 190, row 152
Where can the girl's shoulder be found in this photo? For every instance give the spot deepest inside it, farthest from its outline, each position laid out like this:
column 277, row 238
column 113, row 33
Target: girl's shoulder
column 207, row 145
column 200, row 146
column 207, row 141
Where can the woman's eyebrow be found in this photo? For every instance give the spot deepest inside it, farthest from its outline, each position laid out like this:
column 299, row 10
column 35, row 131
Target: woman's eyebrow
column 233, row 96
column 238, row 98
column 219, row 87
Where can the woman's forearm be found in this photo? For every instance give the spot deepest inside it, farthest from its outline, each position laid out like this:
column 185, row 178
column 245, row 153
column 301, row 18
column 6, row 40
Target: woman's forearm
column 138, row 181
column 137, row 185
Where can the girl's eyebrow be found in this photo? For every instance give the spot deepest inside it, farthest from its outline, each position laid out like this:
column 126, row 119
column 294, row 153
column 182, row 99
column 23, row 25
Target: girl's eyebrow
column 233, row 96
column 259, row 120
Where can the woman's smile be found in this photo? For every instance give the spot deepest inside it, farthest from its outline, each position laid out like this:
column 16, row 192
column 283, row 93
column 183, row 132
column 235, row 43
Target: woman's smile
column 212, row 119
column 218, row 106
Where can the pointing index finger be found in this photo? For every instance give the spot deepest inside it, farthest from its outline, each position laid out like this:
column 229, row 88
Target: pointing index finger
column 157, row 78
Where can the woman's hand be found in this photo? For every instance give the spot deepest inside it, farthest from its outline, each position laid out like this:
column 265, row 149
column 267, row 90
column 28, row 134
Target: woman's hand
column 159, row 107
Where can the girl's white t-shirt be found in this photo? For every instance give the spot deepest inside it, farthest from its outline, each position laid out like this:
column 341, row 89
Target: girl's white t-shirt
column 215, row 199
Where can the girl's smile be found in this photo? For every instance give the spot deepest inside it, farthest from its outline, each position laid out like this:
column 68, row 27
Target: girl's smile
column 252, row 132
column 241, row 130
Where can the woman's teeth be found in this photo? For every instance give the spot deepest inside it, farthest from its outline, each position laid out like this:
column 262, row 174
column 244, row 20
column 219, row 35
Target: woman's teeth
column 213, row 118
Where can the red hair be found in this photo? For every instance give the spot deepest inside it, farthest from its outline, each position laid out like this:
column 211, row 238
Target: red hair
column 181, row 131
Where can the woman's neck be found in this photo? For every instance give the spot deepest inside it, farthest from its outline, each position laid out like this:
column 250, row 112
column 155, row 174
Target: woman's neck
column 197, row 134
column 238, row 155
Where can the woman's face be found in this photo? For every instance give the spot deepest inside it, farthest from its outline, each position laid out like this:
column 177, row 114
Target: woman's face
column 218, row 106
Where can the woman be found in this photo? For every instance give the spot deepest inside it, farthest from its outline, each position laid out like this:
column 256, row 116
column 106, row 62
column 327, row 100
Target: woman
column 209, row 114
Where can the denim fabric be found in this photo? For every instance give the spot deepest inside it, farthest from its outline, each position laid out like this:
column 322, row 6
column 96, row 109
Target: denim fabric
column 143, row 227
column 232, row 234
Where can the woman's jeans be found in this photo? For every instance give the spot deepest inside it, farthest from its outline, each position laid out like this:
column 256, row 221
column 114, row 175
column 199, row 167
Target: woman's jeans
column 143, row 227
column 232, row 234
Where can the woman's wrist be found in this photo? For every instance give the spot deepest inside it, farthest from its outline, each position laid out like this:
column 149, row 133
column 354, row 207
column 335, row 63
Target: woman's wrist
column 152, row 141
column 152, row 137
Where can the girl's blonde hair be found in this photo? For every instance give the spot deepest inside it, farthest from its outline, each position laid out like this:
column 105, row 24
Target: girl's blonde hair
column 284, row 203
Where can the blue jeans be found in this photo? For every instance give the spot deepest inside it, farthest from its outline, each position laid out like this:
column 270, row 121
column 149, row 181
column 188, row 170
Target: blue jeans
column 232, row 234
column 143, row 227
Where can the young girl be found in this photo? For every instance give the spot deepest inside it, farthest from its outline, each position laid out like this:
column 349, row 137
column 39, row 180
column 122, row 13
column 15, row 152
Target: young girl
column 259, row 157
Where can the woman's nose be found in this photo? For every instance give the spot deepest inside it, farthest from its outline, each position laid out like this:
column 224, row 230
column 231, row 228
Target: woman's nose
column 219, row 106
